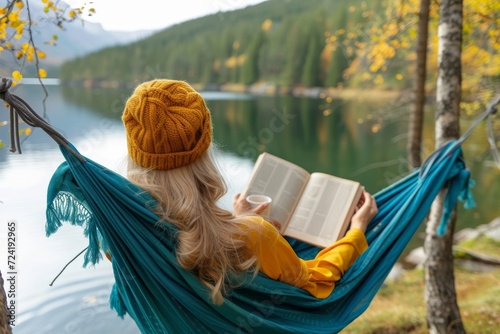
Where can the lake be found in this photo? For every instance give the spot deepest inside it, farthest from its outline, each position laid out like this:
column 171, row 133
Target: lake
column 363, row 140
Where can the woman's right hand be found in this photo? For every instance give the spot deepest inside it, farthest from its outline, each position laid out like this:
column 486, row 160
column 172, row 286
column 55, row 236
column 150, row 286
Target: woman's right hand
column 241, row 206
column 365, row 211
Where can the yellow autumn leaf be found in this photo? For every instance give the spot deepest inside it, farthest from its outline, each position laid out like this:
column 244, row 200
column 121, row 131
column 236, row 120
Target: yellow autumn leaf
column 72, row 14
column 17, row 75
column 2, row 145
column 267, row 24
column 19, row 4
column 379, row 79
column 42, row 73
column 13, row 17
column 41, row 54
column 27, row 132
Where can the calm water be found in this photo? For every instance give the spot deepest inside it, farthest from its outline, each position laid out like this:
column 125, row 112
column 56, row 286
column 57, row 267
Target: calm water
column 361, row 140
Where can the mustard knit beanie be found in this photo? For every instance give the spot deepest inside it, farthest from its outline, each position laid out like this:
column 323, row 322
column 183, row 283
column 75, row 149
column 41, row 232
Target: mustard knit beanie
column 167, row 123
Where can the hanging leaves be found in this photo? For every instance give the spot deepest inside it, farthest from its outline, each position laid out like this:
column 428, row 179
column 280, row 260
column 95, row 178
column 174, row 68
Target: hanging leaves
column 17, row 75
column 42, row 73
column 16, row 28
column 387, row 47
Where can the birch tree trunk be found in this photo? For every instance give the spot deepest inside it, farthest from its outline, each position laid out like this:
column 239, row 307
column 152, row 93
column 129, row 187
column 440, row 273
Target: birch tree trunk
column 417, row 111
column 4, row 315
column 443, row 315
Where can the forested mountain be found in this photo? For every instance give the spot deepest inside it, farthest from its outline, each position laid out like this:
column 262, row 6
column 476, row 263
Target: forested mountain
column 285, row 42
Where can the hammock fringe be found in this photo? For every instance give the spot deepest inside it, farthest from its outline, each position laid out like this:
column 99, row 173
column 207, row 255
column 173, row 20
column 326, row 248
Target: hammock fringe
column 65, row 207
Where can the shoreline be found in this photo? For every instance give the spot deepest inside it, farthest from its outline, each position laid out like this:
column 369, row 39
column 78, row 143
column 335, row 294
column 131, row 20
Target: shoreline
column 269, row 89
column 262, row 89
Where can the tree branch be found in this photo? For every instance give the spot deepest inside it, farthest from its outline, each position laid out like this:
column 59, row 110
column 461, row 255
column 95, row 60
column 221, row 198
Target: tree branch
column 4, row 313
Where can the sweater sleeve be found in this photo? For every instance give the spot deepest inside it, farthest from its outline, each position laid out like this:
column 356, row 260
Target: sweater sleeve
column 332, row 262
column 278, row 260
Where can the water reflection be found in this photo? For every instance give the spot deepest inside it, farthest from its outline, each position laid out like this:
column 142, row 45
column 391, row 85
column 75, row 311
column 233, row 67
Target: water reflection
column 299, row 130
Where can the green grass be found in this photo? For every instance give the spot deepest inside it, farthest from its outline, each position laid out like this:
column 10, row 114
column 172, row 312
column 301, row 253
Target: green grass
column 399, row 306
column 482, row 244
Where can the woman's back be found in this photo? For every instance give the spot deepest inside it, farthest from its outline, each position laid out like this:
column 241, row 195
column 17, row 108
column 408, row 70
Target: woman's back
column 169, row 135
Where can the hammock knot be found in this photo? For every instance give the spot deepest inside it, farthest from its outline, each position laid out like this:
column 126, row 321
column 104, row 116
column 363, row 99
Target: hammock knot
column 20, row 108
column 15, row 146
column 5, row 84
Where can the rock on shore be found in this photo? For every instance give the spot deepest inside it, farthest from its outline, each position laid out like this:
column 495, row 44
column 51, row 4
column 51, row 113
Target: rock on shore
column 470, row 260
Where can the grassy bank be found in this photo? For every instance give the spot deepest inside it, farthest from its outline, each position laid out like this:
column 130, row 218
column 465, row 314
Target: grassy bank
column 399, row 307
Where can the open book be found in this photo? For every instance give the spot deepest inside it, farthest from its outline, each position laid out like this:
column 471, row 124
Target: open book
column 315, row 208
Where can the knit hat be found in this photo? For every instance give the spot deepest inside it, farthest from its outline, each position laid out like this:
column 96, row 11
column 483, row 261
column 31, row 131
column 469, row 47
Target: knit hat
column 168, row 124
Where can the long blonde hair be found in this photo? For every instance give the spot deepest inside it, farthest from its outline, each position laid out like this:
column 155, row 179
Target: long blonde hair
column 211, row 241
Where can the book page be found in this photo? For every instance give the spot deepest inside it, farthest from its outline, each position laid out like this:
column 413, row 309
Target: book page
column 280, row 180
column 325, row 209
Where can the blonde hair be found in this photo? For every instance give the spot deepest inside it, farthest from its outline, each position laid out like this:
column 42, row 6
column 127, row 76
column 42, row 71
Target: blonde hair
column 211, row 240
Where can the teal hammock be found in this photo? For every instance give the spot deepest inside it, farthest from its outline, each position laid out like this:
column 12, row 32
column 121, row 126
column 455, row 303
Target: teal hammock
column 162, row 297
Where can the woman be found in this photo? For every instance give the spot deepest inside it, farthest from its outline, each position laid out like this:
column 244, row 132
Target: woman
column 169, row 134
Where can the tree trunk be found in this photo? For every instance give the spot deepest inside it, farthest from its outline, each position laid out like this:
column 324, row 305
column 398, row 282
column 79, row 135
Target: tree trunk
column 417, row 111
column 4, row 314
column 443, row 315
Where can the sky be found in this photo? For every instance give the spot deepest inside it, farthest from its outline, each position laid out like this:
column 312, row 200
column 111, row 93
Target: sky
column 155, row 14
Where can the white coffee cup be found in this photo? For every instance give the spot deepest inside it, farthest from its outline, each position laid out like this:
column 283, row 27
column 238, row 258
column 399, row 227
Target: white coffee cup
column 256, row 200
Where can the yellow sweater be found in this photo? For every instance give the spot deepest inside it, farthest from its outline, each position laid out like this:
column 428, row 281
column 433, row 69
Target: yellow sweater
column 278, row 260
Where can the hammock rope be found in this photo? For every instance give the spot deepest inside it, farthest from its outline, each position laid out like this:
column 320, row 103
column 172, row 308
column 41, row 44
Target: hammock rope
column 163, row 298
column 20, row 108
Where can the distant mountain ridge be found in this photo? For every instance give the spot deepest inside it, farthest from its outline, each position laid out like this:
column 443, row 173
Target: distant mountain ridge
column 76, row 39
column 80, row 38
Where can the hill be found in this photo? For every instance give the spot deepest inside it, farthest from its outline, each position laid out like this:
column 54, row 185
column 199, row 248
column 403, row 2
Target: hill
column 286, row 42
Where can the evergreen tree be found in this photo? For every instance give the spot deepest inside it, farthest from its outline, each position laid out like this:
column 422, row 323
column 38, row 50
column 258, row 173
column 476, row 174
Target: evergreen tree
column 339, row 60
column 310, row 72
column 250, row 68
column 296, row 46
